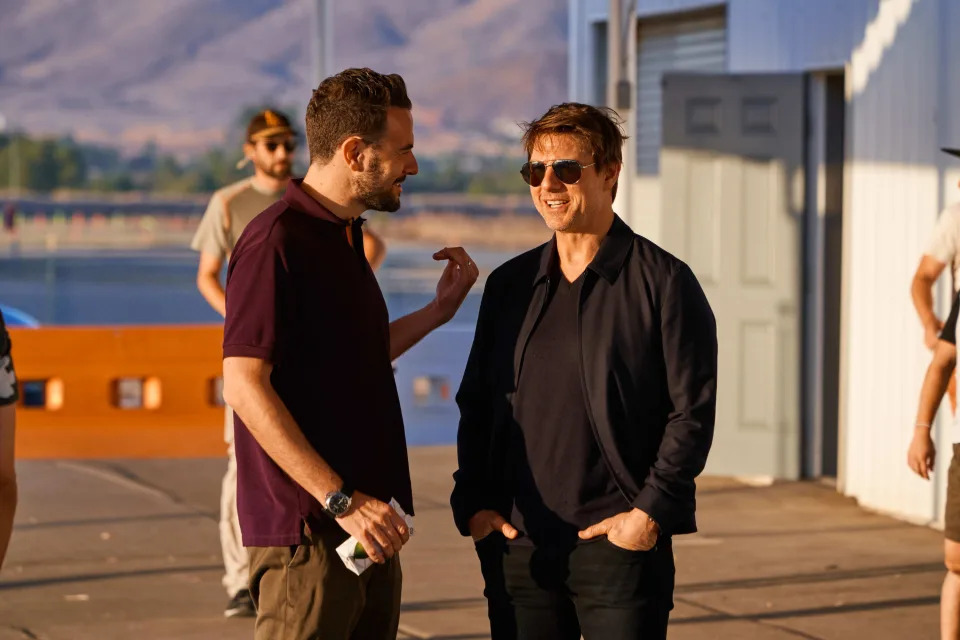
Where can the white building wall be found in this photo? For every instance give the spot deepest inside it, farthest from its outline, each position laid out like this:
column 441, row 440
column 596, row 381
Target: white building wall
column 902, row 89
column 794, row 35
column 894, row 197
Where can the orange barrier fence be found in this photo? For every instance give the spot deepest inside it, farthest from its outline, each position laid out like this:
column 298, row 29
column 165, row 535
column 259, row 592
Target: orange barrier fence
column 119, row 392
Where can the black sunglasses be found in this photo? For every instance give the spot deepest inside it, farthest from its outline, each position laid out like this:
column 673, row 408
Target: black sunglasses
column 567, row 171
column 289, row 145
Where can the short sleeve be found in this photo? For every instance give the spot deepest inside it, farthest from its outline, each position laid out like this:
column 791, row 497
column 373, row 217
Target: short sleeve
column 949, row 332
column 945, row 242
column 255, row 282
column 211, row 237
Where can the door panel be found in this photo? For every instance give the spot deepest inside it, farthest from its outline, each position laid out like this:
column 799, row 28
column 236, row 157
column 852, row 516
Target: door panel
column 732, row 184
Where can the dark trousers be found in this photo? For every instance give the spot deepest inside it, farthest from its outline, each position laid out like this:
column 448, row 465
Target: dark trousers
column 306, row 593
column 598, row 590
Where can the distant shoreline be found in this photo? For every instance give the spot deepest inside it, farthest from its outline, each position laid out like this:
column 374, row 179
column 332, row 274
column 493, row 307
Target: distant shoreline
column 136, row 232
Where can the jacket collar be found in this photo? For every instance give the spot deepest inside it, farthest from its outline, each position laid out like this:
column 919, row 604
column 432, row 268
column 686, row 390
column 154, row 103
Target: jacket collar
column 609, row 259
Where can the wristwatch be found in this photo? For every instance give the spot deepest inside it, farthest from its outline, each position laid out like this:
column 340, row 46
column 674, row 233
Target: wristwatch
column 337, row 503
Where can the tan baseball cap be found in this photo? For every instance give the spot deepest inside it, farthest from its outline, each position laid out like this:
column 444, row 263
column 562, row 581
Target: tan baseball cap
column 266, row 124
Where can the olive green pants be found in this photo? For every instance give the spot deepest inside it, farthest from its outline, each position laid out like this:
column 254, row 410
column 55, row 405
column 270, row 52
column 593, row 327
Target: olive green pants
column 306, row 593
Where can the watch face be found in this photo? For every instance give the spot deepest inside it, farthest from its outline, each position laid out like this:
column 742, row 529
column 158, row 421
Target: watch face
column 338, row 503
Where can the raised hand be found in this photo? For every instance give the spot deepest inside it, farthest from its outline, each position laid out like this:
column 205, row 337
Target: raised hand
column 458, row 277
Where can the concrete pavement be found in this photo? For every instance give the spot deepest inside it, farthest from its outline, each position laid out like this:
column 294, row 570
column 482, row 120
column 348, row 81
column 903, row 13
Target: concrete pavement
column 121, row 549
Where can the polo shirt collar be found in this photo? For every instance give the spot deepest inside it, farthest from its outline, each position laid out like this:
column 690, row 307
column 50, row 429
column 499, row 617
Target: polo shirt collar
column 300, row 200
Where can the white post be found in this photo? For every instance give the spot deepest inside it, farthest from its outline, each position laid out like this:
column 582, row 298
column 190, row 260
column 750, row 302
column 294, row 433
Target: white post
column 322, row 40
column 620, row 91
column 13, row 168
column 614, row 51
column 15, row 164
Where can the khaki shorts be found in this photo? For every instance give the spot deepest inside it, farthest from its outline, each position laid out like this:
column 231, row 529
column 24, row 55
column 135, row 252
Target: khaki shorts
column 951, row 528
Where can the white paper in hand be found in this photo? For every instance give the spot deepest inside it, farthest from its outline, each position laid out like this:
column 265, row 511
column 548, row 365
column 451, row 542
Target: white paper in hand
column 351, row 552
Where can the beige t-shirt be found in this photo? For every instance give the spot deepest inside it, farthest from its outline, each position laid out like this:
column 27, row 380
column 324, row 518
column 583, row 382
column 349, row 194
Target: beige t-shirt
column 227, row 215
column 945, row 244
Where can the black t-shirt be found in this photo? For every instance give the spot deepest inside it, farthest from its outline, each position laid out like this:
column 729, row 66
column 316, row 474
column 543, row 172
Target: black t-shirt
column 949, row 332
column 560, row 481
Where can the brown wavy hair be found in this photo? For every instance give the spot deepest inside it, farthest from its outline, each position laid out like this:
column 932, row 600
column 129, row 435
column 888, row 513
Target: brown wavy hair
column 598, row 130
column 352, row 103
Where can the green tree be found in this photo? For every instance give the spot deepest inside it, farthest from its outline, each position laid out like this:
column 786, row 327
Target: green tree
column 72, row 165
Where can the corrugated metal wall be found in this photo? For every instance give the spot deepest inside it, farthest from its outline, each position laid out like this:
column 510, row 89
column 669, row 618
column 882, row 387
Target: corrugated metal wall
column 693, row 44
column 584, row 13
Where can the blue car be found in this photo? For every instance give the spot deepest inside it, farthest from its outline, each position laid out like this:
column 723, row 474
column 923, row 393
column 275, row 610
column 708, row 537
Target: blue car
column 16, row 318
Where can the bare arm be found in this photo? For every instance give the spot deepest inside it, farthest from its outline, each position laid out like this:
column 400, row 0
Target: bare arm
column 922, row 454
column 458, row 277
column 412, row 328
column 936, row 381
column 8, row 477
column 374, row 249
column 247, row 388
column 921, row 290
column 208, row 282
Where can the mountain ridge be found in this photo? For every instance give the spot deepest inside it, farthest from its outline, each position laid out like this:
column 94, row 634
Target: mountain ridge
column 177, row 73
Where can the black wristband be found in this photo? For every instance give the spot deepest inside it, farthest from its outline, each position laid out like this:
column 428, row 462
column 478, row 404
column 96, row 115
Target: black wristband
column 347, row 489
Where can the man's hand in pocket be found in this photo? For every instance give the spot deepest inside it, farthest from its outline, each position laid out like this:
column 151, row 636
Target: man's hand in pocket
column 485, row 522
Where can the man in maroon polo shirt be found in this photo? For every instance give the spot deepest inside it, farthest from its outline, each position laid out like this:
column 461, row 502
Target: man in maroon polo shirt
column 307, row 368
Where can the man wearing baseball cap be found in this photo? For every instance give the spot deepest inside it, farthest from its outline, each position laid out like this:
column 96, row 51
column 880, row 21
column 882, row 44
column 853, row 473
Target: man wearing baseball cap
column 270, row 145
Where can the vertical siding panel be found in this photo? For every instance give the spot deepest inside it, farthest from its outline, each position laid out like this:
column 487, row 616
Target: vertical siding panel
column 892, row 206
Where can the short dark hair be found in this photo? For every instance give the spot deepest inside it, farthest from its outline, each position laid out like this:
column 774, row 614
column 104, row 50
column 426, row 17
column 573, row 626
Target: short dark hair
column 598, row 129
column 352, row 103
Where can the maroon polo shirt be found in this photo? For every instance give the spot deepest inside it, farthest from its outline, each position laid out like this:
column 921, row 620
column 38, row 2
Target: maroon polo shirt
column 300, row 297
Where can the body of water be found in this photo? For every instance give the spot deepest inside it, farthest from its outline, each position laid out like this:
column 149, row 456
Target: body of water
column 158, row 287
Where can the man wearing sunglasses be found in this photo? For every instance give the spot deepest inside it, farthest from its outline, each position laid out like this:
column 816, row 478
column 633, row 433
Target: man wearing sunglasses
column 270, row 146
column 587, row 406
